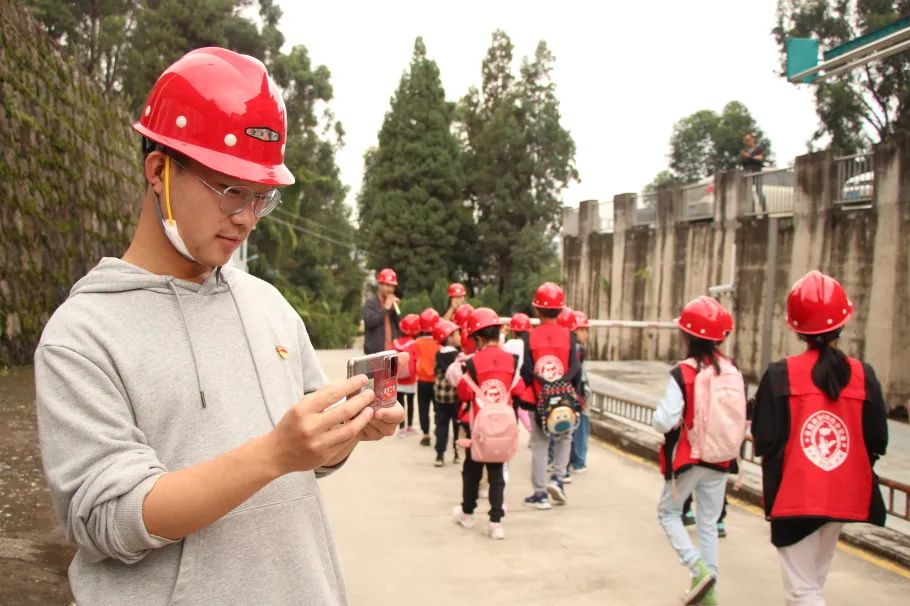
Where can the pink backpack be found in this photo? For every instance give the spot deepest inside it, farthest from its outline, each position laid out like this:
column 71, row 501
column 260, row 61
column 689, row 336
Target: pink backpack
column 719, row 426
column 494, row 431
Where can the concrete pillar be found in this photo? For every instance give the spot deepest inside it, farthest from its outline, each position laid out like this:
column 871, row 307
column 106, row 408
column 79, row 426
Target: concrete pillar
column 623, row 221
column 668, row 213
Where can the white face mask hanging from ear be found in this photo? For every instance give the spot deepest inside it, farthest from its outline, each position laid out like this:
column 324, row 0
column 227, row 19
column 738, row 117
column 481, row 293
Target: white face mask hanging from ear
column 169, row 224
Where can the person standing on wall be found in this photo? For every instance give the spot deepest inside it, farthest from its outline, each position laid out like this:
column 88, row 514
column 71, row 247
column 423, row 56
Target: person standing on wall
column 380, row 314
column 820, row 425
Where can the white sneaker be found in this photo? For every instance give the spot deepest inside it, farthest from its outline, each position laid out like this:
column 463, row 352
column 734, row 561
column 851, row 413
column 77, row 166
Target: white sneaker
column 495, row 531
column 461, row 518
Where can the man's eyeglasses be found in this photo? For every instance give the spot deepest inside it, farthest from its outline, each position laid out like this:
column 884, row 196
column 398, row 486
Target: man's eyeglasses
column 236, row 197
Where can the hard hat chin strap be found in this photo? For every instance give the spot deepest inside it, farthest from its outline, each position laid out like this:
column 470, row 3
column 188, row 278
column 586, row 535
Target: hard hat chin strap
column 169, row 224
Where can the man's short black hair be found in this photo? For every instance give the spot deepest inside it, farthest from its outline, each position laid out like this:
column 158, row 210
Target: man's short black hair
column 490, row 333
column 548, row 314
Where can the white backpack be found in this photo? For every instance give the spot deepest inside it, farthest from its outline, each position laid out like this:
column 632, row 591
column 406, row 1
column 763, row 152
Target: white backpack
column 494, row 431
column 719, row 419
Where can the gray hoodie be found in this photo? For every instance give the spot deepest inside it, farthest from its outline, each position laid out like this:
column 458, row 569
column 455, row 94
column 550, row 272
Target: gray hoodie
column 138, row 374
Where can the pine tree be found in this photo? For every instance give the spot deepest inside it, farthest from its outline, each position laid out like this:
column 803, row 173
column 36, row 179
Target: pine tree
column 518, row 159
column 411, row 202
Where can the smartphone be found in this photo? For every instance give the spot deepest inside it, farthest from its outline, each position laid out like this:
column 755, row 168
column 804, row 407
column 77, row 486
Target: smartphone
column 382, row 371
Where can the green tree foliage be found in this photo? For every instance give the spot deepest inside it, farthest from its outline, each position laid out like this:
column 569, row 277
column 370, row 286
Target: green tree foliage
column 518, row 160
column 411, row 209
column 706, row 142
column 306, row 248
column 873, row 99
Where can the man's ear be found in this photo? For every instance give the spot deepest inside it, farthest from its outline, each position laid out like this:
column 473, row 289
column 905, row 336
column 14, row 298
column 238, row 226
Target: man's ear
column 154, row 171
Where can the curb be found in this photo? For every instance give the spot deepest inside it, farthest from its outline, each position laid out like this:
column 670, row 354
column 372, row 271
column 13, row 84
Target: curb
column 883, row 542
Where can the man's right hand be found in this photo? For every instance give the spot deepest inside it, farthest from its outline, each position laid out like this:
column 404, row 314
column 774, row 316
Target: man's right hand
column 390, row 301
column 309, row 436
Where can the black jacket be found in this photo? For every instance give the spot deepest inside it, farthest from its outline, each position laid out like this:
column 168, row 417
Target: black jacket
column 374, row 315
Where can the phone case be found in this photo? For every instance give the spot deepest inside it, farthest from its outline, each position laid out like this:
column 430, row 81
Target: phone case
column 381, row 370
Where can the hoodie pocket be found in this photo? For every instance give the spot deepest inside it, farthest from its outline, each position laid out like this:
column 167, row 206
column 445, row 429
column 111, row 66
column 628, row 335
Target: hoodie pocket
column 272, row 554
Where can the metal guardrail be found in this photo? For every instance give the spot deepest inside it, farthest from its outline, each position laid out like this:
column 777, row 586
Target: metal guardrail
column 605, row 212
column 698, row 201
column 855, row 179
column 897, row 494
column 770, row 192
column 646, row 215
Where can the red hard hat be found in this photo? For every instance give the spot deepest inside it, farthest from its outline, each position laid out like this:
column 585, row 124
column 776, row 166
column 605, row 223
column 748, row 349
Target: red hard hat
column 582, row 319
column 428, row 319
column 457, row 290
column 387, row 276
column 223, row 110
column 462, row 313
column 549, row 296
column 520, row 323
column 567, row 318
column 442, row 330
column 817, row 304
column 705, row 318
column 482, row 317
column 410, row 325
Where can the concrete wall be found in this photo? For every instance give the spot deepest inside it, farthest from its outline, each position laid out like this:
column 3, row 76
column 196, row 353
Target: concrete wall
column 648, row 272
column 69, row 168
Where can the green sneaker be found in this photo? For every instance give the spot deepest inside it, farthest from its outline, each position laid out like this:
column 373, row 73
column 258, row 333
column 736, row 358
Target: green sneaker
column 702, row 582
column 710, row 598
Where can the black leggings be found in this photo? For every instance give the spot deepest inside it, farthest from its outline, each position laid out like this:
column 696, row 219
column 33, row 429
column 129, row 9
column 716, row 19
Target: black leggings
column 470, row 482
column 446, row 414
column 407, row 402
column 424, row 399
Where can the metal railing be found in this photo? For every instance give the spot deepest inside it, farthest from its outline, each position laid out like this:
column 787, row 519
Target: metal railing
column 698, row 201
column 770, row 192
column 646, row 215
column 896, row 494
column 855, row 179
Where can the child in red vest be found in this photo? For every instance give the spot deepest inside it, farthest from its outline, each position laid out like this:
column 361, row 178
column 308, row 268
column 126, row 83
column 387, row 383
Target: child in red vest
column 495, row 372
column 819, row 426
column 704, row 325
column 407, row 381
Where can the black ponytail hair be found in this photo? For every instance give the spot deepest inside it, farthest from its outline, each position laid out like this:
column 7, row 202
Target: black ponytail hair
column 489, row 334
column 831, row 372
column 703, row 351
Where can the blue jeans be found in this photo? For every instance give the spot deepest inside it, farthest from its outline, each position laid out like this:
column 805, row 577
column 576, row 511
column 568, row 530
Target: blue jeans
column 579, row 457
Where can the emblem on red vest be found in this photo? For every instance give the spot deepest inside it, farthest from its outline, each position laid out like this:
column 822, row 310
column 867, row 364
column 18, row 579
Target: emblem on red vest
column 549, row 367
column 825, row 440
column 494, row 390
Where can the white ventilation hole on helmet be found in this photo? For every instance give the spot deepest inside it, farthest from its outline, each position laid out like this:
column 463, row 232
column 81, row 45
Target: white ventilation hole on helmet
column 830, row 321
column 148, row 109
column 230, row 140
column 689, row 325
column 702, row 331
column 181, row 121
column 795, row 323
column 844, row 311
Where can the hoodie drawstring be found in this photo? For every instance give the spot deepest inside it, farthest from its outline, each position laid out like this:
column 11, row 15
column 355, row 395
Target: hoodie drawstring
column 170, row 282
column 249, row 347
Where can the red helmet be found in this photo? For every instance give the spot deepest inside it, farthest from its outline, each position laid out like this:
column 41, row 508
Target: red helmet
column 442, row 330
column 387, row 276
column 462, row 313
column 482, row 317
column 582, row 319
column 410, row 325
column 567, row 319
column 457, row 290
column 223, row 110
column 549, row 296
column 817, row 304
column 428, row 319
column 520, row 323
column 705, row 318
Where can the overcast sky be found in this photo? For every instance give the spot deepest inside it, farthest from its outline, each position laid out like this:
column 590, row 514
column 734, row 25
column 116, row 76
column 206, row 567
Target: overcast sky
column 625, row 73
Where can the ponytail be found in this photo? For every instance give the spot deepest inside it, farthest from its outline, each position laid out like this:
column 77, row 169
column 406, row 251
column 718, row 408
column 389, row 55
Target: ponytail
column 831, row 372
column 704, row 352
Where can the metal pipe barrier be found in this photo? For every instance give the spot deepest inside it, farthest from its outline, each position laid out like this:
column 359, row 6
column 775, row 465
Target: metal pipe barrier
column 897, row 494
column 855, row 179
column 770, row 192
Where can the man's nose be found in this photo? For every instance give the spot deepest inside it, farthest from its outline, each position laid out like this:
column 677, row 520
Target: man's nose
column 246, row 217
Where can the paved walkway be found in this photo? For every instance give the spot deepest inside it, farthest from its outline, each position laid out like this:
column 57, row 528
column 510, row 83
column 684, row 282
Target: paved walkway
column 391, row 508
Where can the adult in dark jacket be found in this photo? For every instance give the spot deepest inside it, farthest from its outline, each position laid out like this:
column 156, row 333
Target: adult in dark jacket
column 380, row 314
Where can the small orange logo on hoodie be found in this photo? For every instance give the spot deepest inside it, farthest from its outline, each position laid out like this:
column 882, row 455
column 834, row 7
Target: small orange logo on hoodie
column 282, row 351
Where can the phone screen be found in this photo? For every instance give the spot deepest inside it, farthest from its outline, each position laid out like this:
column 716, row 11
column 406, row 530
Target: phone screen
column 381, row 370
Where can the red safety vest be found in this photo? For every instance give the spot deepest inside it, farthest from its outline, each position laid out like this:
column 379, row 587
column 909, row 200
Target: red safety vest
column 495, row 370
column 682, row 450
column 826, row 467
column 550, row 346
